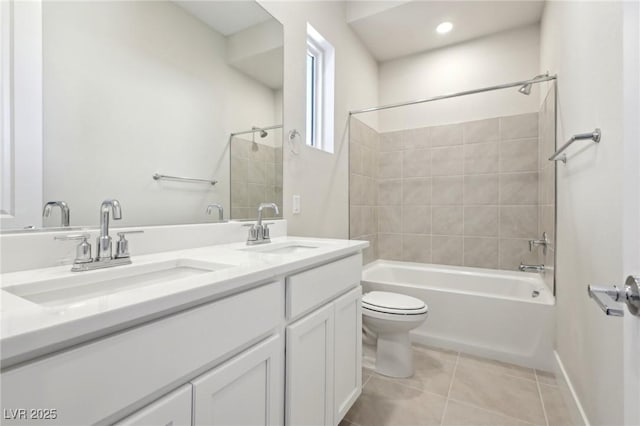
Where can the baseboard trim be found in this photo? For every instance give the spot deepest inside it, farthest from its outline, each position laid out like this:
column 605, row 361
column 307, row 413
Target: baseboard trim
column 578, row 415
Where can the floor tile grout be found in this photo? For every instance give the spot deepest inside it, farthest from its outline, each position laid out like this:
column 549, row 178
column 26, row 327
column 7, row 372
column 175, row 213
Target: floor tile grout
column 453, row 377
column 544, row 410
column 490, row 411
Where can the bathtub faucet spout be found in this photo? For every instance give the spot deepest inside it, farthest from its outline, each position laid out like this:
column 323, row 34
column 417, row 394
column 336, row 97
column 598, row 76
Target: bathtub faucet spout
column 531, row 268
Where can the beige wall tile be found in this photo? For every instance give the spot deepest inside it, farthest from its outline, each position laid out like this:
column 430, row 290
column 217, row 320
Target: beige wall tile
column 519, row 126
column 389, row 165
column 416, row 191
column 481, row 221
column 519, row 188
column 481, row 189
column 416, row 219
column 239, row 168
column 389, row 219
column 390, row 141
column 356, row 227
column 390, row 246
column 239, row 193
column 416, row 248
column 355, row 157
column 419, row 138
column 368, row 165
column 447, row 161
column 389, row 192
column 481, row 158
column 446, row 135
column 446, row 250
column 513, row 251
column 481, row 131
column 416, row 163
column 519, row 155
column 447, row 220
column 257, row 171
column 519, row 221
column 481, row 252
column 256, row 195
column 446, row 190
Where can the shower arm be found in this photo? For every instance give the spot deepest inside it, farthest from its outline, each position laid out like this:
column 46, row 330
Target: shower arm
column 455, row 95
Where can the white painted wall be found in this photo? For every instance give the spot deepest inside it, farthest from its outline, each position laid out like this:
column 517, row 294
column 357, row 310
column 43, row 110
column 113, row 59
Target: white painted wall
column 582, row 43
column 321, row 179
column 134, row 88
column 631, row 230
column 496, row 59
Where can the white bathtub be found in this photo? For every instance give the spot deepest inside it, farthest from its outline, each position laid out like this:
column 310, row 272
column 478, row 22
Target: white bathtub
column 483, row 312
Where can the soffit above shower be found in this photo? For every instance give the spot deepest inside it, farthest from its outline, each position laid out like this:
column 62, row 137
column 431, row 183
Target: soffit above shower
column 392, row 29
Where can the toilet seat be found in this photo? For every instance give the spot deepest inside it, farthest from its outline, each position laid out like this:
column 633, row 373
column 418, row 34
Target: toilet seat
column 393, row 303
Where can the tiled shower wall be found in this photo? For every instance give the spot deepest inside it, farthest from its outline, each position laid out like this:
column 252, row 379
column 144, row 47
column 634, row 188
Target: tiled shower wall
column 256, row 177
column 363, row 219
column 460, row 194
column 547, row 183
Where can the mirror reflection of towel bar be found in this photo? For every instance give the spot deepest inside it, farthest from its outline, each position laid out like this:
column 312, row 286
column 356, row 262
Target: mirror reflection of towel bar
column 157, row 176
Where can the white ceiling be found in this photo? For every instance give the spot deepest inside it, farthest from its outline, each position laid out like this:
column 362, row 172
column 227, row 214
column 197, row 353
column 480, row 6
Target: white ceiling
column 226, row 17
column 391, row 29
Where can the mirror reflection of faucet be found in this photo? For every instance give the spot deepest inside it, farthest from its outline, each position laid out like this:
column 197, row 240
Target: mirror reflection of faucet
column 65, row 214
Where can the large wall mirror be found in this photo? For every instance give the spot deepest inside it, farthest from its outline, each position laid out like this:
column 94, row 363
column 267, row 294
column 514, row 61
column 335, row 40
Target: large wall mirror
column 171, row 89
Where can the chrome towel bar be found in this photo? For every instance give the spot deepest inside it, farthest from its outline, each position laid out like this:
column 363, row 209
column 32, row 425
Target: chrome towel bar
column 157, row 176
column 594, row 136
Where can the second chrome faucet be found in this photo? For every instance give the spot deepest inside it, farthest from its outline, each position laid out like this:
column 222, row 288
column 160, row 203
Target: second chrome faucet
column 259, row 233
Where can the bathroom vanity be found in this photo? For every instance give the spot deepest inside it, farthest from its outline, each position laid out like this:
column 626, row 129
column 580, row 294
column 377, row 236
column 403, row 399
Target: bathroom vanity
column 220, row 335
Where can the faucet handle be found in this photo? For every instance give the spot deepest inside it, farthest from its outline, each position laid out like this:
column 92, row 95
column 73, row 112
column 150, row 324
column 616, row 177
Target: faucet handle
column 122, row 246
column 83, row 250
column 265, row 230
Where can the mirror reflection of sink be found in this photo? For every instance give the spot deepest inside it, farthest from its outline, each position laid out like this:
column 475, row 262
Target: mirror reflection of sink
column 287, row 247
column 86, row 285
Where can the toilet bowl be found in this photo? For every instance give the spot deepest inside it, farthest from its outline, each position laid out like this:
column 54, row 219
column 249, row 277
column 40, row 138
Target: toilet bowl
column 390, row 316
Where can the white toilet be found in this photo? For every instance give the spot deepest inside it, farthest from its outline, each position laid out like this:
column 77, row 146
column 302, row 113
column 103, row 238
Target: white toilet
column 390, row 316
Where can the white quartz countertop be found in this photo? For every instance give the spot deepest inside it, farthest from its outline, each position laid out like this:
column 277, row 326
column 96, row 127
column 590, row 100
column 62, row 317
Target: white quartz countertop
column 29, row 329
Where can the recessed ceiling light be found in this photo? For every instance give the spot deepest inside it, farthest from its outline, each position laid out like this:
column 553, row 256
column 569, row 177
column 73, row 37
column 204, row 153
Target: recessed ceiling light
column 444, row 27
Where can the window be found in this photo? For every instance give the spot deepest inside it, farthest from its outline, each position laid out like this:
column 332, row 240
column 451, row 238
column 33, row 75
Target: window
column 320, row 91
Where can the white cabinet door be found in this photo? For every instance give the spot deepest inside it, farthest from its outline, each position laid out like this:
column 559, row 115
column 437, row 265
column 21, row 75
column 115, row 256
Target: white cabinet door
column 347, row 352
column 173, row 409
column 310, row 370
column 246, row 390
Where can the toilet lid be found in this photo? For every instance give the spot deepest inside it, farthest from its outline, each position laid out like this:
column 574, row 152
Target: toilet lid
column 384, row 301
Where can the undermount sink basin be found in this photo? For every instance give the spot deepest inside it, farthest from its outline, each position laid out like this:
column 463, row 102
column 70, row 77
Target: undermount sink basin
column 287, row 247
column 86, row 285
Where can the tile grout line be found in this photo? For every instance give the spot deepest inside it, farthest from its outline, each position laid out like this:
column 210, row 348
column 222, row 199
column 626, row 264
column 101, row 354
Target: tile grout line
column 544, row 410
column 479, row 407
column 446, row 401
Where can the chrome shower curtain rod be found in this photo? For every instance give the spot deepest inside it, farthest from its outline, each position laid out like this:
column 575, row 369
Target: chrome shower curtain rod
column 455, row 95
column 257, row 129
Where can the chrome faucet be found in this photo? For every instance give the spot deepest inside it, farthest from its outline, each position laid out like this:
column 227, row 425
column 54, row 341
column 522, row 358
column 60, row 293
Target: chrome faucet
column 210, row 208
column 259, row 233
column 104, row 240
column 64, row 211
column 103, row 259
column 544, row 243
column 531, row 268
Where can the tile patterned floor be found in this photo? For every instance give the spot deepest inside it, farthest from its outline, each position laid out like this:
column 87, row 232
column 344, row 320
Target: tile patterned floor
column 454, row 389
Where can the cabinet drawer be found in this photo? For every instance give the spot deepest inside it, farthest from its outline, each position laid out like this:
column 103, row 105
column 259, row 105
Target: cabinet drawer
column 98, row 381
column 173, row 409
column 310, row 289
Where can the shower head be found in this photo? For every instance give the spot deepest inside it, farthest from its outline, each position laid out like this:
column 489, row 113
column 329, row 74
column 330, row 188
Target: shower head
column 525, row 89
column 263, row 133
